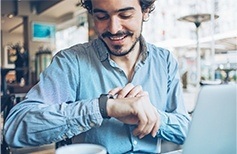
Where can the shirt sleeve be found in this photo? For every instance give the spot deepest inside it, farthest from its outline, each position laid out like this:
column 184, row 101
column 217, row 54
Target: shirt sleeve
column 175, row 119
column 51, row 111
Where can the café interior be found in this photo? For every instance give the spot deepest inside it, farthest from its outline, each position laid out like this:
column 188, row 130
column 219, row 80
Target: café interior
column 203, row 38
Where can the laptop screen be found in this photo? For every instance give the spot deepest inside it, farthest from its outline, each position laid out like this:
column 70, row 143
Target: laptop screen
column 213, row 126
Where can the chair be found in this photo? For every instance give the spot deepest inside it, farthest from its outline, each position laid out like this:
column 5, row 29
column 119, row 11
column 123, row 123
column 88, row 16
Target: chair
column 7, row 102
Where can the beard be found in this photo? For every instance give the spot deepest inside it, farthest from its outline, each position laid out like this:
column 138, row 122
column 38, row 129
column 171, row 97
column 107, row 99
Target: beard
column 119, row 47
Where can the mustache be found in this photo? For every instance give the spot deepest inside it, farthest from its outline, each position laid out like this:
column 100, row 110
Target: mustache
column 118, row 34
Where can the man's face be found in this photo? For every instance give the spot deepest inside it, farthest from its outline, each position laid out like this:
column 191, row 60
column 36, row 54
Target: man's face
column 118, row 23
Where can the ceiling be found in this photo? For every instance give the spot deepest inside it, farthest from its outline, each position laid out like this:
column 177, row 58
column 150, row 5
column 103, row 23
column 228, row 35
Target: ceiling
column 62, row 8
column 58, row 10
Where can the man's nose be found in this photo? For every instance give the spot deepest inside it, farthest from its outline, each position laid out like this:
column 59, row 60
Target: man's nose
column 114, row 25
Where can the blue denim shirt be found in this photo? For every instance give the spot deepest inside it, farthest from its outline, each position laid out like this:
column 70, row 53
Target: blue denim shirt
column 64, row 103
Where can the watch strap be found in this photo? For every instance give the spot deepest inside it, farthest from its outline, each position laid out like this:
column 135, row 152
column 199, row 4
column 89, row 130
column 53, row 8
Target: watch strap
column 103, row 104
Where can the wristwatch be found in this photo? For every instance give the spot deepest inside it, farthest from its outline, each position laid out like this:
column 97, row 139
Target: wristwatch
column 103, row 103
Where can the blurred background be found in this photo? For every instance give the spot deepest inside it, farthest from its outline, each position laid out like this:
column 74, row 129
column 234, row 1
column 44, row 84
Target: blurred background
column 202, row 35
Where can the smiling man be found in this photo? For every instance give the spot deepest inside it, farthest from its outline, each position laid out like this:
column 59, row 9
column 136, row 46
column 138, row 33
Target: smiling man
column 118, row 27
column 117, row 90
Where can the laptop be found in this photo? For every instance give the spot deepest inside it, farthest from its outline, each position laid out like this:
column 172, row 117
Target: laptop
column 213, row 126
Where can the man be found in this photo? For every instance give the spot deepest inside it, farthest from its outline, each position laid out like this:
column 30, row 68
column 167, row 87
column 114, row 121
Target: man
column 117, row 91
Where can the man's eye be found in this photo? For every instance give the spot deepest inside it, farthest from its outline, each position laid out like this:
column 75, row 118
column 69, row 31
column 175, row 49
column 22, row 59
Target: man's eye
column 101, row 17
column 125, row 16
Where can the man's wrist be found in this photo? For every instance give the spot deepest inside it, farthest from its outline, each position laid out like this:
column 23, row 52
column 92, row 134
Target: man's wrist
column 103, row 99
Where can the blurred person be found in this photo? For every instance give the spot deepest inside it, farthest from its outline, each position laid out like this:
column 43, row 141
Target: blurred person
column 117, row 91
column 21, row 64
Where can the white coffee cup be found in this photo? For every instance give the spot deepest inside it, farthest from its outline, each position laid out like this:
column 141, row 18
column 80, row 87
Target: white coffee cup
column 82, row 148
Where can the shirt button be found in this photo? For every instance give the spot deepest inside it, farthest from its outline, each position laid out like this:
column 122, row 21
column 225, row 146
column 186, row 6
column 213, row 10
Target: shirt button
column 134, row 142
column 80, row 129
column 92, row 124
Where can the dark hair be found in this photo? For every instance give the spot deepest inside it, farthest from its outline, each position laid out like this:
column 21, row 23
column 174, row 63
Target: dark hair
column 145, row 4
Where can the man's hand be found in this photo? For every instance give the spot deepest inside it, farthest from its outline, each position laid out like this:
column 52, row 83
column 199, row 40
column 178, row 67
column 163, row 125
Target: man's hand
column 132, row 106
column 128, row 91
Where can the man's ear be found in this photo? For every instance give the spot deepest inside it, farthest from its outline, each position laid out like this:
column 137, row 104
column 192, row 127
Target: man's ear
column 145, row 15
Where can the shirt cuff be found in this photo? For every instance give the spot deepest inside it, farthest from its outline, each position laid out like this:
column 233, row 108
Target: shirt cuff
column 164, row 121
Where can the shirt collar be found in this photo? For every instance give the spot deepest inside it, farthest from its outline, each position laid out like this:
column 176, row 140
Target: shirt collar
column 104, row 54
column 144, row 50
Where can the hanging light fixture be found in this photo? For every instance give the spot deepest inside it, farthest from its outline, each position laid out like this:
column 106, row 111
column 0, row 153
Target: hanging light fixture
column 197, row 19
